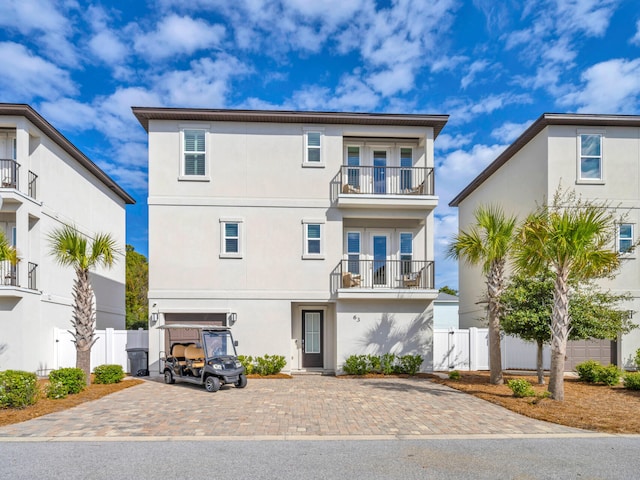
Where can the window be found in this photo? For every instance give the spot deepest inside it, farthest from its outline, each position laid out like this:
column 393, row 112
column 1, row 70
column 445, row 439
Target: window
column 353, row 160
column 353, row 252
column 406, row 162
column 406, row 252
column 590, row 151
column 313, row 245
column 194, row 153
column 231, row 238
column 625, row 237
column 313, row 148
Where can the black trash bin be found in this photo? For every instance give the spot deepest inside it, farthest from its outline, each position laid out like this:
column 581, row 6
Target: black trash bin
column 139, row 361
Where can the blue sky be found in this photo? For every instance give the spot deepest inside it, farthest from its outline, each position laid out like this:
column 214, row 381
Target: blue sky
column 493, row 66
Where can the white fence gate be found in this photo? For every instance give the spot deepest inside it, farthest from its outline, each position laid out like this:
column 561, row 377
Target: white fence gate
column 110, row 348
column 468, row 349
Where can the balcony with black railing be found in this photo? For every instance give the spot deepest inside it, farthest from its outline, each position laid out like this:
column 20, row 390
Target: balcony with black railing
column 9, row 274
column 33, row 185
column 9, row 173
column 32, row 274
column 354, row 277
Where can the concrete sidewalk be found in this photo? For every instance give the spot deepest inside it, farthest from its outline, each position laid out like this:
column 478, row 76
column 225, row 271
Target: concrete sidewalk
column 304, row 406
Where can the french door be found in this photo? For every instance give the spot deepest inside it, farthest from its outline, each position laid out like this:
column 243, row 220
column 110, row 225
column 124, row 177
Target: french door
column 380, row 250
column 312, row 354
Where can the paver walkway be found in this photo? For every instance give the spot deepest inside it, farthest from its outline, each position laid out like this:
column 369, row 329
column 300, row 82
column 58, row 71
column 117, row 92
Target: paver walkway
column 303, row 406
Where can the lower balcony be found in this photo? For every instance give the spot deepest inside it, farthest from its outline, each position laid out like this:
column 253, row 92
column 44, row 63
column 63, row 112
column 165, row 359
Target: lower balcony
column 10, row 281
column 384, row 279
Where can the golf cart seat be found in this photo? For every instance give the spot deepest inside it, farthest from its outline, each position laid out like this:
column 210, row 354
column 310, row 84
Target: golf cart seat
column 194, row 356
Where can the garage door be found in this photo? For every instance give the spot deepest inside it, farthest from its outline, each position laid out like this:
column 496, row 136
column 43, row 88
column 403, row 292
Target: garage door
column 578, row 351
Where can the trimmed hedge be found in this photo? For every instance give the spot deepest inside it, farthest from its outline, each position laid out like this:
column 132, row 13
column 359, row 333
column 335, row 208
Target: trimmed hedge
column 264, row 366
column 18, row 389
column 73, row 379
column 386, row 364
column 105, row 374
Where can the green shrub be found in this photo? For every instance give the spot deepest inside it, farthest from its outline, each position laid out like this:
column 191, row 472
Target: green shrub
column 588, row 371
column 637, row 359
column 454, row 375
column 521, row 388
column 56, row 390
column 247, row 363
column 18, row 389
column 632, row 381
column 374, row 364
column 72, row 378
column 269, row 364
column 106, row 374
column 410, row 364
column 356, row 365
column 387, row 363
column 609, row 375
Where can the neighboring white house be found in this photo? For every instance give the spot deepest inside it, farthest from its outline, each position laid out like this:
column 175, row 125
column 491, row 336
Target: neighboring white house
column 313, row 230
column 596, row 155
column 445, row 311
column 47, row 182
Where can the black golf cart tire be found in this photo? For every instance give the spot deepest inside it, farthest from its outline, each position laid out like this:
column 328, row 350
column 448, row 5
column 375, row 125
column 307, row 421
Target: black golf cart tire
column 212, row 384
column 168, row 377
column 242, row 381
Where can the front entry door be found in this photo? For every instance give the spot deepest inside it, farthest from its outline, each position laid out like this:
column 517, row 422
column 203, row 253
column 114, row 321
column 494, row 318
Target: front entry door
column 312, row 339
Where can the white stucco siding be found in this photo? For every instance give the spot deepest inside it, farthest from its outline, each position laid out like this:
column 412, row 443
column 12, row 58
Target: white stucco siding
column 402, row 328
column 516, row 187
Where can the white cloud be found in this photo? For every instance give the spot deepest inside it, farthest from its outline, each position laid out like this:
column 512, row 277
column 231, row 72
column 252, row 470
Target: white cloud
column 391, row 81
column 446, row 142
column 177, row 35
column 475, row 68
column 509, row 131
column 465, row 110
column 107, row 47
column 445, row 227
column 127, row 178
column 636, row 38
column 45, row 22
column 596, row 94
column 350, row 94
column 69, row 114
column 26, row 75
column 447, row 63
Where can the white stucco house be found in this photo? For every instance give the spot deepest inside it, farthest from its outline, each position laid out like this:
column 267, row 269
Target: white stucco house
column 596, row 155
column 310, row 232
column 47, row 182
column 445, row 311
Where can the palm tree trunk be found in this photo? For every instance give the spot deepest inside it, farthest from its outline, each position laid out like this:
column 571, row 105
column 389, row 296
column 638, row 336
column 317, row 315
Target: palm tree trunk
column 539, row 363
column 559, row 334
column 84, row 321
column 494, row 290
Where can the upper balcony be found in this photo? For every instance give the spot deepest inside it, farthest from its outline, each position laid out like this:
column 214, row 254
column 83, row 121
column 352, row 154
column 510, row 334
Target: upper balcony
column 10, row 178
column 384, row 279
column 11, row 285
column 386, row 187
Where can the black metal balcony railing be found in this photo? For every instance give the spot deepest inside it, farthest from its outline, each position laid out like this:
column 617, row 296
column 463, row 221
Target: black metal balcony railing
column 385, row 274
column 32, row 279
column 9, row 173
column 33, row 185
column 373, row 180
column 8, row 273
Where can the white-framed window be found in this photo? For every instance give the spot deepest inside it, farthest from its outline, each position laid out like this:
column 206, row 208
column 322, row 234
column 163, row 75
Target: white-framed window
column 313, row 138
column 406, row 252
column 354, row 153
column 354, row 249
column 313, row 239
column 406, row 172
column 590, row 164
column 625, row 237
column 231, row 237
column 194, row 153
column 14, row 237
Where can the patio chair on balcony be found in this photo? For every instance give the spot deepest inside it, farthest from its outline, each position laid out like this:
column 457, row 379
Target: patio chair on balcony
column 350, row 280
column 412, row 280
column 419, row 190
column 348, row 188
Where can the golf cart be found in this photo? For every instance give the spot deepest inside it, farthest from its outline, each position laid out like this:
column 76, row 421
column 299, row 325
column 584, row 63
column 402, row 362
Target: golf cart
column 202, row 355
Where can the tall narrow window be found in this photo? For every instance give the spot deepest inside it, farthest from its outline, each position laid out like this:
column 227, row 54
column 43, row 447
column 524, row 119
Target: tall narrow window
column 313, row 147
column 194, row 153
column 313, row 238
column 231, row 233
column 353, row 174
column 625, row 237
column 590, row 156
column 14, row 145
column 406, row 162
column 353, row 252
column 406, row 252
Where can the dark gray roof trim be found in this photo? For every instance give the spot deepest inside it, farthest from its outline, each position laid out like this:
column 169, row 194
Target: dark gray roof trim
column 144, row 114
column 546, row 119
column 34, row 117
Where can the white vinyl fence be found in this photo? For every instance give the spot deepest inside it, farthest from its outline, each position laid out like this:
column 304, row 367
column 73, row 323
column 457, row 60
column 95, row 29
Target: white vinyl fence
column 110, row 348
column 468, row 349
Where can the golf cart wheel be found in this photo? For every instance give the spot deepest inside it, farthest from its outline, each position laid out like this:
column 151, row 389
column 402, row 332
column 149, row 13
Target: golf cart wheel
column 242, row 381
column 212, row 384
column 168, row 377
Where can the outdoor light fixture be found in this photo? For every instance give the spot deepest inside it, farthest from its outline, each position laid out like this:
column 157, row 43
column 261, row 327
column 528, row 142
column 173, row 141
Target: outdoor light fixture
column 356, row 318
column 231, row 318
column 154, row 315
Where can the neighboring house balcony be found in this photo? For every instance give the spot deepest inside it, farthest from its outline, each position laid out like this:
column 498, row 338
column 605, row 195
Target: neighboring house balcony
column 12, row 285
column 10, row 179
column 384, row 279
column 386, row 187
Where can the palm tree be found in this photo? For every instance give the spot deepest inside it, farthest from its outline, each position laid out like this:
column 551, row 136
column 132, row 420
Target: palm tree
column 70, row 248
column 573, row 239
column 488, row 243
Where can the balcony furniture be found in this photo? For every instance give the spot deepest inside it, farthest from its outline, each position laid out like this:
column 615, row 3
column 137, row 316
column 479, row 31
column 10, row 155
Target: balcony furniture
column 419, row 190
column 412, row 280
column 350, row 280
column 347, row 188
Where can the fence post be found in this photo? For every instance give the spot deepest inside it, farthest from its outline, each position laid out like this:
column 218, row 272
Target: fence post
column 108, row 345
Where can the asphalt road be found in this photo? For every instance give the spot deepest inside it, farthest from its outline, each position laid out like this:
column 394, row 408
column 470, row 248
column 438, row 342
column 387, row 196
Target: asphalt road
column 605, row 457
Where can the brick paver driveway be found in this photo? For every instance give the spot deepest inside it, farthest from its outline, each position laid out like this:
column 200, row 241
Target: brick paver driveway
column 304, row 406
